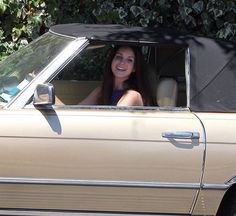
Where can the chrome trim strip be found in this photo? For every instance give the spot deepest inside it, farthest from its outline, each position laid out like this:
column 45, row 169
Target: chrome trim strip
column 72, row 213
column 107, row 183
column 215, row 186
column 223, row 186
column 98, row 183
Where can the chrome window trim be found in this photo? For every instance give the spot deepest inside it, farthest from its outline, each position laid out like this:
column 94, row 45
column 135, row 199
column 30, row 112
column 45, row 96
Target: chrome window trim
column 187, row 75
column 128, row 108
column 62, row 35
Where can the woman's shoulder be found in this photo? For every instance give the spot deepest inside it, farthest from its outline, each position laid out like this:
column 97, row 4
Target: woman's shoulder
column 133, row 93
column 131, row 98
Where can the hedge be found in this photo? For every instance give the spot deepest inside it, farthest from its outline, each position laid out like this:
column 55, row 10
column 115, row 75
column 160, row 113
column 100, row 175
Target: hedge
column 24, row 20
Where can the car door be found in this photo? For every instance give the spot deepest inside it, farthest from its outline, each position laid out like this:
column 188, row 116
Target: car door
column 100, row 159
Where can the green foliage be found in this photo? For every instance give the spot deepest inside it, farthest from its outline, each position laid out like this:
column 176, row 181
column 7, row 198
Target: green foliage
column 24, row 20
column 215, row 18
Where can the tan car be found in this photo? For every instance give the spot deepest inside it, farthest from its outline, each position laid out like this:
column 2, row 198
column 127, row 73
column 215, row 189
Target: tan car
column 177, row 158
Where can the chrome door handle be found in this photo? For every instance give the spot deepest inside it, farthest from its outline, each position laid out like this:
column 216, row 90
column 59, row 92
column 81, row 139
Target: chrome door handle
column 181, row 135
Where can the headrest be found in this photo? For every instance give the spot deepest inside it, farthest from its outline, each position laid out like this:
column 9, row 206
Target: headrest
column 167, row 92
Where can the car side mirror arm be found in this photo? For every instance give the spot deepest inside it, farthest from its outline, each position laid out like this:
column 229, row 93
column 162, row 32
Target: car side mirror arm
column 44, row 95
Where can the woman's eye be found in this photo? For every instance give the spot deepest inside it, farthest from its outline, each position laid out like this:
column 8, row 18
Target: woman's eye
column 118, row 57
column 130, row 60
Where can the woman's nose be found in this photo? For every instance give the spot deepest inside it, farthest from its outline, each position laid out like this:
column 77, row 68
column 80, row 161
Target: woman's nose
column 122, row 61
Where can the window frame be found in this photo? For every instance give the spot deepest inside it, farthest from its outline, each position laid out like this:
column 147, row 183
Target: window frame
column 138, row 108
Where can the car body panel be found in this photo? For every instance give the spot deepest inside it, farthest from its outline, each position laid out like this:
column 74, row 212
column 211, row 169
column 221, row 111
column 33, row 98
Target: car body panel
column 220, row 158
column 220, row 138
column 60, row 147
column 208, row 201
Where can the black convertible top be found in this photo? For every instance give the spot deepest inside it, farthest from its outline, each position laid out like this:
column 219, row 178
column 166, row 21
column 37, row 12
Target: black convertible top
column 114, row 33
column 212, row 61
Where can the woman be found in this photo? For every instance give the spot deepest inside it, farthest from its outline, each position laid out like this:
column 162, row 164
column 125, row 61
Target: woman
column 123, row 83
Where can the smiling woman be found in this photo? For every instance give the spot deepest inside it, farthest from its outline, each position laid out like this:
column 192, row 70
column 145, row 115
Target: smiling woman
column 123, row 83
column 124, row 71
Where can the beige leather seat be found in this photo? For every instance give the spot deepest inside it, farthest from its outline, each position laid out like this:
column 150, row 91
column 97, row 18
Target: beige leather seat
column 167, row 92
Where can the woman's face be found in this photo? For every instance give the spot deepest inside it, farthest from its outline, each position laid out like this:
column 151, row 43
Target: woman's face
column 123, row 63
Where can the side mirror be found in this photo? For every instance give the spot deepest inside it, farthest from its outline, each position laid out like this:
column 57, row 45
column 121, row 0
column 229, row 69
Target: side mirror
column 44, row 95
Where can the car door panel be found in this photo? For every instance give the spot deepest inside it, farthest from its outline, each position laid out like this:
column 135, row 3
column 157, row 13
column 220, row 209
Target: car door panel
column 100, row 160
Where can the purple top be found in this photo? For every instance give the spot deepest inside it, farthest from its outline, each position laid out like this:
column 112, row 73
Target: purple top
column 116, row 95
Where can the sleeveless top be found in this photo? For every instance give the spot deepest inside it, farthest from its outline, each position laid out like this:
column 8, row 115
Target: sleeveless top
column 116, row 95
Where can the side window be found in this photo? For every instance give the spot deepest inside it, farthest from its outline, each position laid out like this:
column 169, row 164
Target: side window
column 81, row 75
column 164, row 74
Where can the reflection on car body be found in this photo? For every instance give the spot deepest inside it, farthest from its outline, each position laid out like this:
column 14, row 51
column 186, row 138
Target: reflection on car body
column 174, row 158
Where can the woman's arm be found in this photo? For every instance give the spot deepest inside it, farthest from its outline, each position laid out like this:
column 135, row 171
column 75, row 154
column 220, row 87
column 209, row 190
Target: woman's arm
column 131, row 98
column 92, row 98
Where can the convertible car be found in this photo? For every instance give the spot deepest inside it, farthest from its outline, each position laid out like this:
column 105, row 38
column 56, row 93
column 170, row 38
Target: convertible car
column 177, row 157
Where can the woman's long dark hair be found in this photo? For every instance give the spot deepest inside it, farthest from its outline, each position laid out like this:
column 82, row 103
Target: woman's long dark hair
column 136, row 81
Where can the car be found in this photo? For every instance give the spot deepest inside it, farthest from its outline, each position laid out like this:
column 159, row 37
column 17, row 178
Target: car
column 173, row 158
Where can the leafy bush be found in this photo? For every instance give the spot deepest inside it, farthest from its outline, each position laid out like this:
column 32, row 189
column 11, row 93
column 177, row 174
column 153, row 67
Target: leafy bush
column 215, row 18
column 24, row 20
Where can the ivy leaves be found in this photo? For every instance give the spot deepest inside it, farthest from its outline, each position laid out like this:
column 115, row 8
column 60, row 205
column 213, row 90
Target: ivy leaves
column 23, row 20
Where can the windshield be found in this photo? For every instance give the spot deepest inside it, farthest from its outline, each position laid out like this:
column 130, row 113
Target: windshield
column 18, row 69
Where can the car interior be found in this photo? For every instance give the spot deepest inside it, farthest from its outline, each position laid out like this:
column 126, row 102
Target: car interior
column 165, row 69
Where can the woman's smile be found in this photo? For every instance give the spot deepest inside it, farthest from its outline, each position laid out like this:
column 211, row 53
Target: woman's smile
column 120, row 69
